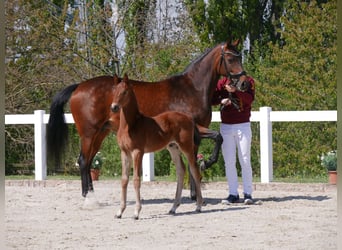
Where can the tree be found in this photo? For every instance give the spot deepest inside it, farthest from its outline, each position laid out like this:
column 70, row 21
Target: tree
column 32, row 74
column 299, row 73
column 46, row 52
column 43, row 54
column 215, row 20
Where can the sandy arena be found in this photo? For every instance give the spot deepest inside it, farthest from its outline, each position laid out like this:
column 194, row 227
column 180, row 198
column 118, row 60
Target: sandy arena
column 52, row 214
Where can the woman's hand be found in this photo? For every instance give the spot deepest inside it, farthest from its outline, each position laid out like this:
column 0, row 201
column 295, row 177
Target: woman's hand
column 230, row 88
column 226, row 101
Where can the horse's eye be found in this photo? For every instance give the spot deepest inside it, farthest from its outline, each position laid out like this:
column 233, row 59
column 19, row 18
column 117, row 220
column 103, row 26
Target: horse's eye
column 230, row 60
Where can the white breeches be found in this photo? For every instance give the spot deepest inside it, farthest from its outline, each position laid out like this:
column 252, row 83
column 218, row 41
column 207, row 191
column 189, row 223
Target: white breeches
column 237, row 136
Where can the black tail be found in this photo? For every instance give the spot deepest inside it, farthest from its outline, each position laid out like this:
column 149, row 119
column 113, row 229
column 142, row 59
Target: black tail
column 57, row 129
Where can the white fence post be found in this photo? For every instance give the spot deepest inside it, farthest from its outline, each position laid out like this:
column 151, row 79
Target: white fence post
column 266, row 158
column 39, row 145
column 148, row 167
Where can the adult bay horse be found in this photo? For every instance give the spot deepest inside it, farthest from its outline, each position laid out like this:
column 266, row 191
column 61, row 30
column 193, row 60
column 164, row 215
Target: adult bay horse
column 188, row 92
column 139, row 134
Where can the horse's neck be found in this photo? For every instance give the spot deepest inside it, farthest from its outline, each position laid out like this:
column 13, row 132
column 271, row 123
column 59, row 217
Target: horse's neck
column 204, row 74
column 130, row 113
column 204, row 77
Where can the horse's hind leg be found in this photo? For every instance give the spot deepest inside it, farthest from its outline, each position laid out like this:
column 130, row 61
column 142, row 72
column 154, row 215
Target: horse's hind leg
column 85, row 178
column 89, row 147
column 180, row 171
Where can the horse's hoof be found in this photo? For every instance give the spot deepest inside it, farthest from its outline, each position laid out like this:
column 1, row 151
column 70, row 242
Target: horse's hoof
column 203, row 166
column 198, row 210
column 136, row 217
column 117, row 216
column 172, row 212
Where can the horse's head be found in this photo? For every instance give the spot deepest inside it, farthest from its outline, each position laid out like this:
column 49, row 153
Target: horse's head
column 231, row 65
column 121, row 92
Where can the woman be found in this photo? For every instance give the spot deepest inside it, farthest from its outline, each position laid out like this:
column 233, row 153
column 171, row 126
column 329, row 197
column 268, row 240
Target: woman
column 236, row 131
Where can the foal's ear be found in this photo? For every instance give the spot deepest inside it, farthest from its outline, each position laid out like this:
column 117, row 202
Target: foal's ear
column 116, row 79
column 125, row 79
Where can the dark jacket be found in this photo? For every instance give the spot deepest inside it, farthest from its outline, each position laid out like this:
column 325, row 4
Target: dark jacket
column 229, row 113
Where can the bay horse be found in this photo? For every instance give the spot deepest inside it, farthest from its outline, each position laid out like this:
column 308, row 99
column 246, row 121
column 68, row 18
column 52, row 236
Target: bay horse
column 190, row 92
column 139, row 134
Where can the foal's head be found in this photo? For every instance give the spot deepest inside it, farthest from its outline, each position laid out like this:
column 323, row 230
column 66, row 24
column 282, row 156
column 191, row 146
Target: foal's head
column 122, row 93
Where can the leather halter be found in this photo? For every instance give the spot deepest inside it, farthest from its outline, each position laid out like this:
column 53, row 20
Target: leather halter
column 228, row 74
column 233, row 77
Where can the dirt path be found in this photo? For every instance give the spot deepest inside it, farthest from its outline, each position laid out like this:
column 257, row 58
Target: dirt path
column 51, row 215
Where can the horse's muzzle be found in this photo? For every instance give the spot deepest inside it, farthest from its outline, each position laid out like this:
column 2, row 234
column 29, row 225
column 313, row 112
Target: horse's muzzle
column 114, row 108
column 242, row 86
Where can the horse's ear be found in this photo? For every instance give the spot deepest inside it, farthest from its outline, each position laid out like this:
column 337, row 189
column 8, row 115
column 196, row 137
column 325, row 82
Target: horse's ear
column 236, row 43
column 232, row 43
column 116, row 79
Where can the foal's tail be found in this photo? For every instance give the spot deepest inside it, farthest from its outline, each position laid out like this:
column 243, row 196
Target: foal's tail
column 57, row 129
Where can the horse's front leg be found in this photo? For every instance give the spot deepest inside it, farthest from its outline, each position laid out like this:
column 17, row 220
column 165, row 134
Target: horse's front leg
column 137, row 169
column 126, row 162
column 180, row 171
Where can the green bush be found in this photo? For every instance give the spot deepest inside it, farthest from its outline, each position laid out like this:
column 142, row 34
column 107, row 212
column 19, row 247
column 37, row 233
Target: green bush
column 329, row 160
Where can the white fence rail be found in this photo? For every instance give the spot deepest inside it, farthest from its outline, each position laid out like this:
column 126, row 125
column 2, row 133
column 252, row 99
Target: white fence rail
column 265, row 116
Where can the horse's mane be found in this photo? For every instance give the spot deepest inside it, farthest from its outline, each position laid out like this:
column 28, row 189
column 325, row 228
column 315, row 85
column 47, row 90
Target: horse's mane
column 197, row 60
column 190, row 66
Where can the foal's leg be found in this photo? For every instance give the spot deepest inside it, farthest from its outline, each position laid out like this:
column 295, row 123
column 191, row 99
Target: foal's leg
column 197, row 178
column 180, row 171
column 137, row 169
column 176, row 157
column 126, row 163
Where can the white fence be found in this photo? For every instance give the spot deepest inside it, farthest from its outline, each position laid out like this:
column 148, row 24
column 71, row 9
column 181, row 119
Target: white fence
column 265, row 116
